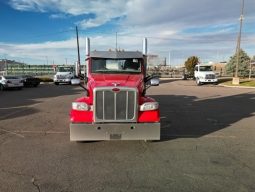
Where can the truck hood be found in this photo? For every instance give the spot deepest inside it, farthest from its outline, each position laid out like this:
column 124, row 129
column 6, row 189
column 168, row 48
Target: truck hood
column 128, row 80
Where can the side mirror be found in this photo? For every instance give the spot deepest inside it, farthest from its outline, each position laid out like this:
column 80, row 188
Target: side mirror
column 154, row 81
column 75, row 81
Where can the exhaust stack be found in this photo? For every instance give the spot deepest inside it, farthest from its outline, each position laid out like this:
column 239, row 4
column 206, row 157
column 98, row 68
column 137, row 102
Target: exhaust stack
column 87, row 47
column 77, row 69
column 87, row 54
column 145, row 46
column 145, row 52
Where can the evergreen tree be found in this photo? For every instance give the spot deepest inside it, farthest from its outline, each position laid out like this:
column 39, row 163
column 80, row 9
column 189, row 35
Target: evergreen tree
column 243, row 67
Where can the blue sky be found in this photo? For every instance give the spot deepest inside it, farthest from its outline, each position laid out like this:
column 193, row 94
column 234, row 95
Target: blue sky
column 34, row 31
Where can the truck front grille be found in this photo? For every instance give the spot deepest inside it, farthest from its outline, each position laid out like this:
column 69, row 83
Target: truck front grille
column 61, row 77
column 115, row 106
column 210, row 76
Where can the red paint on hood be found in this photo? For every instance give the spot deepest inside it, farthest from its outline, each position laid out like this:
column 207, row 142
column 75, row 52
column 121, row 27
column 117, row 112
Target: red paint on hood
column 112, row 80
column 129, row 80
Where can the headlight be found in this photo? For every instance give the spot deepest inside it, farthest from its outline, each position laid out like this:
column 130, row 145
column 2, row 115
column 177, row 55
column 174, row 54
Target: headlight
column 149, row 106
column 80, row 106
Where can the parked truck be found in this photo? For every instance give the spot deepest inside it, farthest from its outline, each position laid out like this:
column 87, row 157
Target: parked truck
column 115, row 105
column 204, row 74
column 64, row 75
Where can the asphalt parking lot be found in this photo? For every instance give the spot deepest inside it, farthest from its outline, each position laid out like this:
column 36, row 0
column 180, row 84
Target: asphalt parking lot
column 207, row 143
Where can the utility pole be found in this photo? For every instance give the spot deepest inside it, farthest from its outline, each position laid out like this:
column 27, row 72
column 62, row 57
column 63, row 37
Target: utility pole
column 47, row 60
column 78, row 47
column 236, row 79
column 250, row 70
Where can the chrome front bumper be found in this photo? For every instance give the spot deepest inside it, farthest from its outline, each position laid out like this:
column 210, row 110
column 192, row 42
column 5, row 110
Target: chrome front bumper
column 208, row 80
column 117, row 131
column 62, row 80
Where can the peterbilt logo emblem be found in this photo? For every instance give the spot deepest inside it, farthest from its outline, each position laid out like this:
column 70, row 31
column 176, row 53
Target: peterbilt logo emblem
column 115, row 84
column 116, row 90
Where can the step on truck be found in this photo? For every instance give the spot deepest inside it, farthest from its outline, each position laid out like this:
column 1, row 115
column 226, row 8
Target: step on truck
column 115, row 105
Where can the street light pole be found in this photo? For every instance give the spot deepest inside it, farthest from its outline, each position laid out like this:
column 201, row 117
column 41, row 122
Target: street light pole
column 169, row 58
column 116, row 41
column 236, row 78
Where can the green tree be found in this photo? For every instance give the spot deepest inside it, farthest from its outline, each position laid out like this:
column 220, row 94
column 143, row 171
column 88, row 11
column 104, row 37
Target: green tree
column 190, row 64
column 243, row 67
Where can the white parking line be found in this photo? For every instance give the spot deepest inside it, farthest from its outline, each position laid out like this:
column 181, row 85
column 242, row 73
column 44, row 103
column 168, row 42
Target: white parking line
column 17, row 133
column 43, row 132
column 194, row 136
column 13, row 132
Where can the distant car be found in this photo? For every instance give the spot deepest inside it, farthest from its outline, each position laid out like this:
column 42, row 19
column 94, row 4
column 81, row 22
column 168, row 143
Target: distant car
column 30, row 81
column 187, row 75
column 8, row 82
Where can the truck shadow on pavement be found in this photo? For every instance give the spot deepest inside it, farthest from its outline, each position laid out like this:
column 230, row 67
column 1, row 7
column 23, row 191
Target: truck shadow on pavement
column 163, row 81
column 18, row 103
column 190, row 117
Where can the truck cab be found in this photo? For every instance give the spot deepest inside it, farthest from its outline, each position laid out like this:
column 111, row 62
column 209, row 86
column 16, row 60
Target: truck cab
column 204, row 74
column 64, row 75
column 115, row 106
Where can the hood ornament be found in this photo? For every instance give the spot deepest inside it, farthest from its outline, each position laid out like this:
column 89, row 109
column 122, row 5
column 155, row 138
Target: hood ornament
column 115, row 84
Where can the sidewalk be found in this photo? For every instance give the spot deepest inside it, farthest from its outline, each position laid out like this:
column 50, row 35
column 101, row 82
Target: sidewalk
column 236, row 86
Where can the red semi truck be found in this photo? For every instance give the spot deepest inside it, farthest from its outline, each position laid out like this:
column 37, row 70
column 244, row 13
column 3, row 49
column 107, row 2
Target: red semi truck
column 115, row 106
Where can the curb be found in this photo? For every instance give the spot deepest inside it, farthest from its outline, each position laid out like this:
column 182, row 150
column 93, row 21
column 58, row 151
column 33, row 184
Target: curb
column 242, row 87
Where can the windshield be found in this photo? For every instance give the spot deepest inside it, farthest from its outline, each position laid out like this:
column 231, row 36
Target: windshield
column 205, row 68
column 102, row 65
column 65, row 69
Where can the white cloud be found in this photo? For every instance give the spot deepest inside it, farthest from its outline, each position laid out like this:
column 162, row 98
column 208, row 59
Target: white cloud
column 37, row 52
column 103, row 11
column 177, row 14
column 165, row 19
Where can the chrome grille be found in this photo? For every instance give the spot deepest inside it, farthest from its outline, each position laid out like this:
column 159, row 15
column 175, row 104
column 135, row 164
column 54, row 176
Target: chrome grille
column 61, row 77
column 210, row 76
column 115, row 106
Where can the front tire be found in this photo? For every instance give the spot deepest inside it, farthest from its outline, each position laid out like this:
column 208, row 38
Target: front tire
column 56, row 83
column 1, row 87
column 198, row 82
